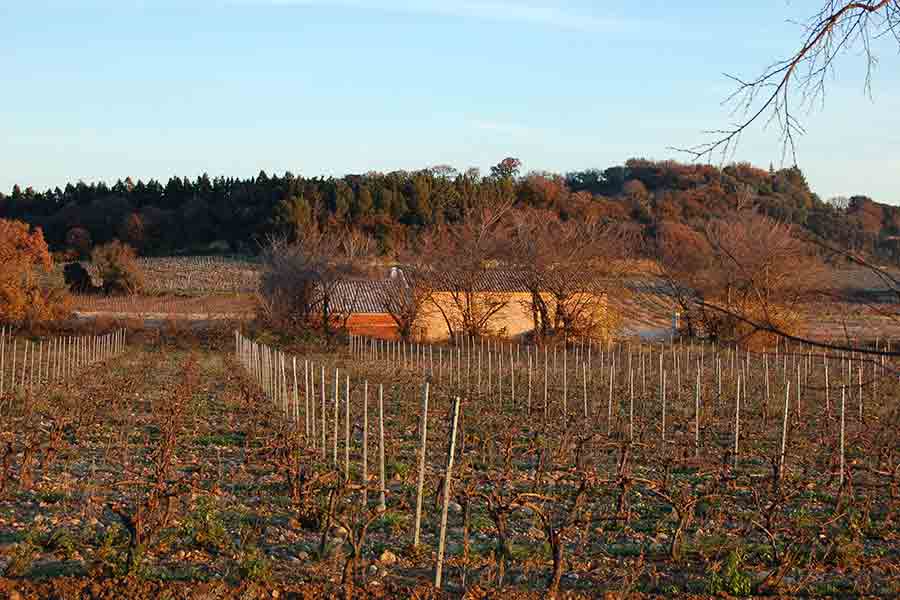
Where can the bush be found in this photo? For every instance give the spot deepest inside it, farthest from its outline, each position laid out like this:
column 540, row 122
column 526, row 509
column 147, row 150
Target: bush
column 117, row 266
column 77, row 278
column 26, row 295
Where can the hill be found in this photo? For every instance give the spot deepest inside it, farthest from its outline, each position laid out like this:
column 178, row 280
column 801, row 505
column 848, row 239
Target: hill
column 207, row 215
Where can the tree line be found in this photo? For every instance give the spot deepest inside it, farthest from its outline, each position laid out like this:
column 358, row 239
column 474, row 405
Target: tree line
column 237, row 215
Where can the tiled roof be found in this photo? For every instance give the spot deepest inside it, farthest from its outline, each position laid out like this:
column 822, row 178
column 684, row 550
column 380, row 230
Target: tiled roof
column 359, row 297
column 366, row 296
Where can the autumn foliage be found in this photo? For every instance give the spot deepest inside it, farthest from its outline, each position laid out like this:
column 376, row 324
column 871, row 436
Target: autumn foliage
column 25, row 296
column 117, row 266
column 741, row 278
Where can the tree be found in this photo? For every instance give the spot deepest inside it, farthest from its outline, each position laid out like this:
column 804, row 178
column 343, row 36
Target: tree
column 570, row 269
column 795, row 84
column 752, row 283
column 79, row 240
column 508, row 168
column 302, row 280
column 459, row 257
column 25, row 298
column 132, row 230
column 292, row 217
column 405, row 293
column 117, row 266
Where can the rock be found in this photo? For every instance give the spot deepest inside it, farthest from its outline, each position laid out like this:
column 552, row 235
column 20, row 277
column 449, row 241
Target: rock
column 387, row 558
column 373, row 570
column 455, row 507
column 303, row 556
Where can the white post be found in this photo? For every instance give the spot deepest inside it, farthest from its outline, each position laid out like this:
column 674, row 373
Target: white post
column 365, row 446
column 784, row 426
column 382, row 506
column 842, row 436
column 447, row 482
column 423, row 426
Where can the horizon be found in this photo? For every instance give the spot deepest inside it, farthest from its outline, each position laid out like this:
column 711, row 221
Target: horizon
column 104, row 91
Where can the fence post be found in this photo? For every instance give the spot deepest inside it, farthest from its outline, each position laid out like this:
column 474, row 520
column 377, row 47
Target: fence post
column 382, row 506
column 365, row 445
column 447, row 480
column 423, row 440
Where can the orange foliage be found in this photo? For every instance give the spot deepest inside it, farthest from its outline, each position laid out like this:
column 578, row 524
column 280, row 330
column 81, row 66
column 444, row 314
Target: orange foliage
column 19, row 244
column 25, row 298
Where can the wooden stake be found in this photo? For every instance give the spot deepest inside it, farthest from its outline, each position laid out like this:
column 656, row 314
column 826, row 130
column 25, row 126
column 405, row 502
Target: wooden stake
column 423, row 428
column 382, row 506
column 447, row 482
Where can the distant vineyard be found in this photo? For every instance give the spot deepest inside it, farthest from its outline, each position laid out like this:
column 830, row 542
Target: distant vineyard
column 150, row 307
column 197, row 274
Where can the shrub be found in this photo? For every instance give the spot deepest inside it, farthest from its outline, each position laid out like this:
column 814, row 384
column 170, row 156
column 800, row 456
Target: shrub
column 118, row 268
column 77, row 278
column 26, row 295
column 731, row 579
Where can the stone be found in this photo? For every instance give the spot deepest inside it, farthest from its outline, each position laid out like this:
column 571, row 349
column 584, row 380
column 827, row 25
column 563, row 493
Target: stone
column 455, row 507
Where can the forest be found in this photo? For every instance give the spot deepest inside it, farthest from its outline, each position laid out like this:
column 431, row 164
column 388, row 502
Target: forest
column 232, row 215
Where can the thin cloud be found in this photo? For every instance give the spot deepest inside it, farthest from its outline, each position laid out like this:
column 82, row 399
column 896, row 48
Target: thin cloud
column 499, row 11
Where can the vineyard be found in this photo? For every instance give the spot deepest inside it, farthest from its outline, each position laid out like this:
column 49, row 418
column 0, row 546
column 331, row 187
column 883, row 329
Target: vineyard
column 194, row 275
column 492, row 470
column 209, row 307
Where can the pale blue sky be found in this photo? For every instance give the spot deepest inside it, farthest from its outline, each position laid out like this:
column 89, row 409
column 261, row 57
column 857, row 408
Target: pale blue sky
column 102, row 89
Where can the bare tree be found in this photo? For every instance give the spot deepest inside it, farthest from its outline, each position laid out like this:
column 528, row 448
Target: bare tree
column 460, row 260
column 747, row 275
column 569, row 269
column 301, row 281
column 404, row 294
column 797, row 83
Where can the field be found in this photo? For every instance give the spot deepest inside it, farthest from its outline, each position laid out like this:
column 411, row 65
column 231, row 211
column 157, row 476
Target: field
column 160, row 307
column 211, row 288
column 193, row 464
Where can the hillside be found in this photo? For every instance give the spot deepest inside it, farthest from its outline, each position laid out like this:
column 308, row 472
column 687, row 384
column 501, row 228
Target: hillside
column 227, row 214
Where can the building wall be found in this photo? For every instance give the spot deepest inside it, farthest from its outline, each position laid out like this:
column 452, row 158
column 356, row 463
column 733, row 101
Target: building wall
column 373, row 325
column 514, row 320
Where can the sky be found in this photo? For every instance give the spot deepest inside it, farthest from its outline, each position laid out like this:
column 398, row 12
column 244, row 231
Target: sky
column 100, row 89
